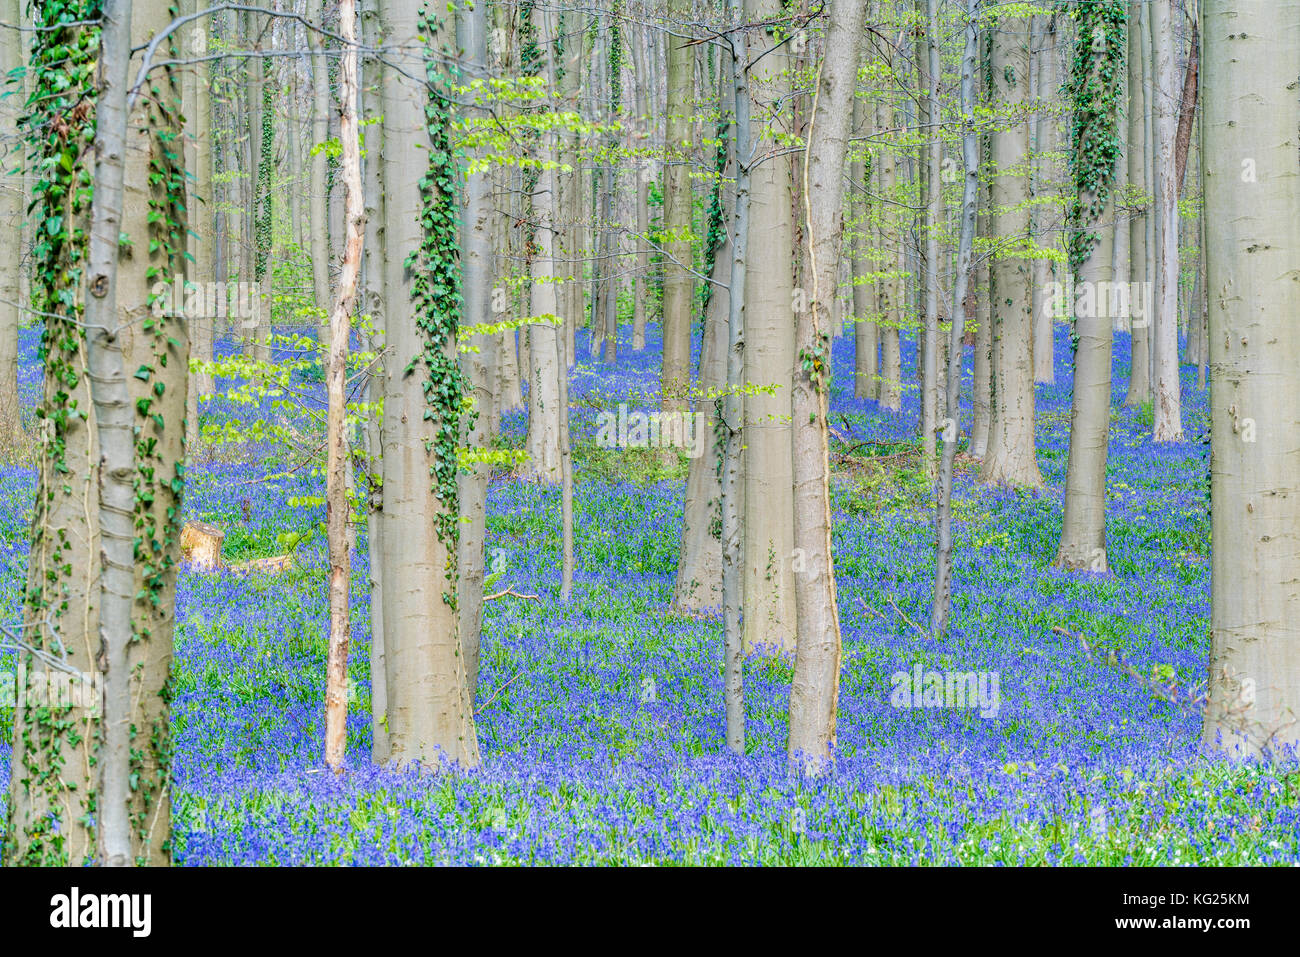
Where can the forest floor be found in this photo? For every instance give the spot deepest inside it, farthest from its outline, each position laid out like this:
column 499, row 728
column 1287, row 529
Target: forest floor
column 601, row 721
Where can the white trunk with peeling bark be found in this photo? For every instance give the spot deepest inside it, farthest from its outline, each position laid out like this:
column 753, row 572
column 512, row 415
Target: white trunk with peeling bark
column 338, row 507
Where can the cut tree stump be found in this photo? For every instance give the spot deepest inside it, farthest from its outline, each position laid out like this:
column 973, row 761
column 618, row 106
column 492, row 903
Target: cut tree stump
column 201, row 545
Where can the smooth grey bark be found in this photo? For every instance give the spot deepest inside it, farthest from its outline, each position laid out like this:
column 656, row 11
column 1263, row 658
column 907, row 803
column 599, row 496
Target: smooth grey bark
column 732, row 487
column 698, row 582
column 510, row 395
column 1139, row 381
column 892, row 290
column 1083, row 525
column 769, row 621
column 293, row 149
column 815, row 687
column 429, row 716
column 60, row 625
column 476, row 283
column 317, row 191
column 114, row 422
column 678, row 283
column 161, row 344
column 201, row 209
column 11, row 227
column 1252, row 192
column 1166, row 387
column 642, row 200
column 569, row 90
column 982, row 368
column 942, row 603
column 372, row 293
column 864, row 298
column 1045, row 185
column 931, row 77
column 1010, row 457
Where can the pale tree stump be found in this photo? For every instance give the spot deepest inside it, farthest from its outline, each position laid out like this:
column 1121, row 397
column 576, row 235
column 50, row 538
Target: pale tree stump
column 201, row 545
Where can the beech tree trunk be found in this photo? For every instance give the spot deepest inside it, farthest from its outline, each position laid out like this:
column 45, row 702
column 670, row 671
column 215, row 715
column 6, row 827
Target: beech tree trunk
column 679, row 284
column 1010, row 457
column 769, row 363
column 1044, row 53
column 1252, row 192
column 942, row 603
column 815, row 688
column 733, row 490
column 477, row 273
column 429, row 716
column 317, row 189
column 866, row 332
column 53, row 775
column 1139, row 381
column 1167, row 411
column 1083, row 526
column 11, row 227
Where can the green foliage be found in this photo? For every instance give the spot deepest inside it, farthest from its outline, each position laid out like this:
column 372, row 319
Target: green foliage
column 435, row 290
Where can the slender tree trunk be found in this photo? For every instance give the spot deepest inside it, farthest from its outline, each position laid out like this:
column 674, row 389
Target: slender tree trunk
column 372, row 291
column 1187, row 107
column 570, row 93
column 1139, row 381
column 733, row 489
column 679, row 285
column 202, row 330
column 640, row 289
column 1252, row 191
column 982, row 372
column 933, row 212
column 1168, row 420
column 338, row 509
column 476, row 267
column 866, row 332
column 890, row 388
column 11, row 223
column 1083, row 527
column 1044, row 53
column 939, row 610
column 815, row 689
column 316, row 188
